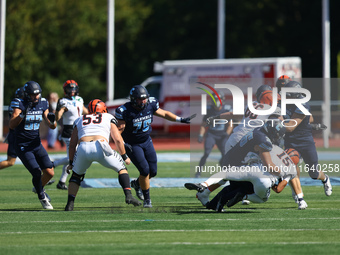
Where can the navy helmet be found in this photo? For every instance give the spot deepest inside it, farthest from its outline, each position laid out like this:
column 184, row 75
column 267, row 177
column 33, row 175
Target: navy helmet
column 32, row 87
column 260, row 90
column 19, row 93
column 139, row 92
column 293, row 84
column 274, row 130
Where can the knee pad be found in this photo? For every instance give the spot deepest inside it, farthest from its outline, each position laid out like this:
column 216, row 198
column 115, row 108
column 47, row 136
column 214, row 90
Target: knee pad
column 153, row 174
column 76, row 178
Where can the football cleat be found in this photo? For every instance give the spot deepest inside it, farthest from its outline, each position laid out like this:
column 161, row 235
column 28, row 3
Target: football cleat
column 302, row 204
column 46, row 204
column 237, row 198
column 131, row 200
column 61, row 185
column 69, row 206
column 50, row 182
column 147, row 203
column 216, row 207
column 195, row 186
column 46, row 195
column 327, row 186
column 203, row 197
column 139, row 192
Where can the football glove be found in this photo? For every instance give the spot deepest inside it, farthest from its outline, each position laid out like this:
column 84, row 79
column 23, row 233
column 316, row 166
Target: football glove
column 187, row 120
column 200, row 139
column 210, row 120
column 318, row 126
column 51, row 117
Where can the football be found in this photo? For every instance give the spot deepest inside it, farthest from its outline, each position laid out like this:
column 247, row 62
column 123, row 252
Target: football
column 294, row 155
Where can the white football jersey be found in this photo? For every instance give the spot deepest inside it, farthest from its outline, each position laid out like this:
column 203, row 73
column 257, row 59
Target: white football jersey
column 94, row 124
column 74, row 107
column 248, row 123
column 281, row 159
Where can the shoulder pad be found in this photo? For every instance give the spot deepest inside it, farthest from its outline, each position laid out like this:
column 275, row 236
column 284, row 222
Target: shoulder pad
column 119, row 112
column 78, row 98
column 152, row 100
column 227, row 107
column 267, row 144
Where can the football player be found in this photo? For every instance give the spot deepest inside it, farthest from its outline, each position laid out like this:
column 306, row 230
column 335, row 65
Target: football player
column 10, row 139
column 299, row 137
column 282, row 81
column 217, row 134
column 69, row 108
column 27, row 115
column 240, row 131
column 260, row 141
column 134, row 121
column 258, row 179
column 92, row 133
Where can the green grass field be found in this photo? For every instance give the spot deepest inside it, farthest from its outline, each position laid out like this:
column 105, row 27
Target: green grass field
column 177, row 224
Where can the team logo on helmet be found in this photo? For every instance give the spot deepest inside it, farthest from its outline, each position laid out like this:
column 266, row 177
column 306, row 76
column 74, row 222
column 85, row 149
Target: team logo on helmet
column 97, row 106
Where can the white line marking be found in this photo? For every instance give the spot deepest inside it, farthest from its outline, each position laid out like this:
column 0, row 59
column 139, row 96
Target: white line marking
column 170, row 230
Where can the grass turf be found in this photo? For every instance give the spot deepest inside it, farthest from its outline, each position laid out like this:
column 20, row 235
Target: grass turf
column 102, row 223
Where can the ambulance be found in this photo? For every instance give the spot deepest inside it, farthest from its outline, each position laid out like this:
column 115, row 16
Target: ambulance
column 177, row 85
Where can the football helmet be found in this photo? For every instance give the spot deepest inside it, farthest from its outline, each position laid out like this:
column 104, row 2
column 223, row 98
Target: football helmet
column 274, row 130
column 293, row 84
column 260, row 90
column 218, row 103
column 97, row 106
column 19, row 93
column 282, row 81
column 69, row 87
column 32, row 87
column 139, row 92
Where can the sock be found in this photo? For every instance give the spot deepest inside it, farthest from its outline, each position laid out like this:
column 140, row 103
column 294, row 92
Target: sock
column 146, row 194
column 124, row 181
column 300, row 195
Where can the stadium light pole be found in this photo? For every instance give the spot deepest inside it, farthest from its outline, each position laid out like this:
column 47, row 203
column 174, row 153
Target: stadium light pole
column 2, row 62
column 326, row 106
column 221, row 29
column 110, row 49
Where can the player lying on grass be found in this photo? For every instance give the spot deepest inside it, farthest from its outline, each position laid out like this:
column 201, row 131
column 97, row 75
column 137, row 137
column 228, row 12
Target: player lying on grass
column 260, row 141
column 91, row 133
column 256, row 184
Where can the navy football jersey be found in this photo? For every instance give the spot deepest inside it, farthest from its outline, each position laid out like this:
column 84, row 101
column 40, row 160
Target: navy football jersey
column 235, row 156
column 27, row 132
column 138, row 123
column 303, row 130
column 219, row 129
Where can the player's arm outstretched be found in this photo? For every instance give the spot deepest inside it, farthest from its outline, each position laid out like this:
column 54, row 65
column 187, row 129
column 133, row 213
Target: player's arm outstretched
column 172, row 117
